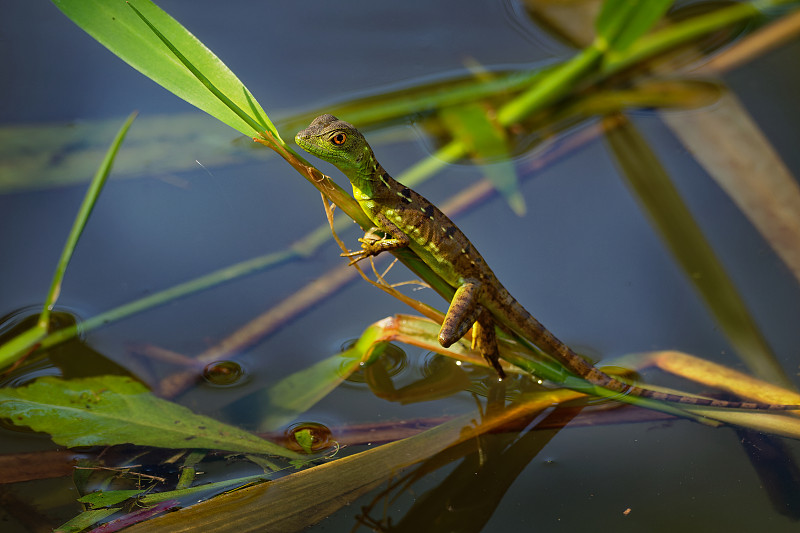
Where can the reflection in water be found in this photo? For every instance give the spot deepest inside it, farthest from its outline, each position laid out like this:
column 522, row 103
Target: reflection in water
column 224, row 373
column 459, row 488
column 16, row 323
column 393, row 359
column 22, row 319
column 309, row 437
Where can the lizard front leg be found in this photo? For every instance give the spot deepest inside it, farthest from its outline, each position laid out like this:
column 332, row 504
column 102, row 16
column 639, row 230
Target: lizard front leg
column 372, row 245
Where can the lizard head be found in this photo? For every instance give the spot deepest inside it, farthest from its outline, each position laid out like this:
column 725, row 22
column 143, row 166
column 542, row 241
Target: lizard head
column 338, row 143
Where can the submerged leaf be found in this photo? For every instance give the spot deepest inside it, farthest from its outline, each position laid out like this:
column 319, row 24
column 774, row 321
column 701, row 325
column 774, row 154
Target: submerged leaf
column 747, row 167
column 296, row 393
column 109, row 410
column 673, row 220
column 488, row 147
column 72, row 150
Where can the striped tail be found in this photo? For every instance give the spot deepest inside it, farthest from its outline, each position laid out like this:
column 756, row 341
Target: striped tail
column 518, row 319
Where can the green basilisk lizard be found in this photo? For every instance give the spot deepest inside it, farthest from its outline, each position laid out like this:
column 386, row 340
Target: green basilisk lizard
column 406, row 219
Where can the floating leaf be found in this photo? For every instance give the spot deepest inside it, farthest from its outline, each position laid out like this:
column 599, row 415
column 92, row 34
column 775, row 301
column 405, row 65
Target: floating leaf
column 109, row 410
column 297, row 392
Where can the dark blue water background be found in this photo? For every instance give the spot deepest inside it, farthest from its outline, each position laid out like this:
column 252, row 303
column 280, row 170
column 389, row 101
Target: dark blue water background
column 584, row 258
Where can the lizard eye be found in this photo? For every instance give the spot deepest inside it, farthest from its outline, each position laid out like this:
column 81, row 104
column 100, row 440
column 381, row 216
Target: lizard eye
column 339, row 139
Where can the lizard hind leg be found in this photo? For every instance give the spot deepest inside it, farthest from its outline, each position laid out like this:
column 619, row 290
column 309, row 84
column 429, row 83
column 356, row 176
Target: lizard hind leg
column 485, row 340
column 465, row 311
column 462, row 314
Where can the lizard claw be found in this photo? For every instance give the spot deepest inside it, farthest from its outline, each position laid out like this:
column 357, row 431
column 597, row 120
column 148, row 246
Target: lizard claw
column 368, row 242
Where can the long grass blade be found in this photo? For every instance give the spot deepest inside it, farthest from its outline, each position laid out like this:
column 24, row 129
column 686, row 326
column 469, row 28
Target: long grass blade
column 672, row 219
column 117, row 27
column 27, row 341
column 82, row 217
column 749, row 169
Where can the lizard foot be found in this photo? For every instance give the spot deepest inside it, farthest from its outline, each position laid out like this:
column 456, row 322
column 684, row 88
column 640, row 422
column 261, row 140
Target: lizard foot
column 368, row 248
column 355, row 257
column 371, row 244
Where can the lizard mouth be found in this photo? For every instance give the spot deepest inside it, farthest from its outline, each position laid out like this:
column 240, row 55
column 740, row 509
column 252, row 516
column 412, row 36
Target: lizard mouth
column 302, row 140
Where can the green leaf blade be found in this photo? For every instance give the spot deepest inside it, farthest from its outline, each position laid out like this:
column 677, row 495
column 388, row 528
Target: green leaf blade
column 117, row 27
column 110, row 410
column 621, row 22
column 89, row 200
